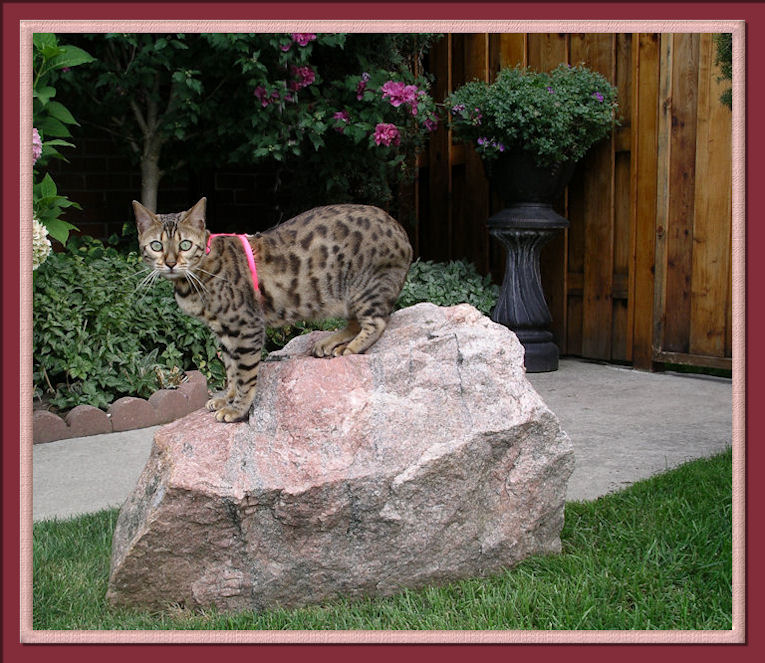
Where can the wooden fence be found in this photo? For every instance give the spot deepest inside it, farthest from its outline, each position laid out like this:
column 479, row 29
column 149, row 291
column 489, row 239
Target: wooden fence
column 643, row 274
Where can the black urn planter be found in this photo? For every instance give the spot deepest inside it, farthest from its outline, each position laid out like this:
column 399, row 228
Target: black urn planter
column 526, row 224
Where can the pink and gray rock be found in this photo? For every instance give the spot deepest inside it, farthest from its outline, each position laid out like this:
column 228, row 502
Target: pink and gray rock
column 428, row 459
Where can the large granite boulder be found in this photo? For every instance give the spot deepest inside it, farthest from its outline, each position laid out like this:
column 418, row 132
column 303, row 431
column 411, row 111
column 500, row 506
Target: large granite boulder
column 428, row 459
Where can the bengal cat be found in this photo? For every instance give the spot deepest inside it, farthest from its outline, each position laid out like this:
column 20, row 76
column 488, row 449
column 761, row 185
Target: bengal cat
column 347, row 261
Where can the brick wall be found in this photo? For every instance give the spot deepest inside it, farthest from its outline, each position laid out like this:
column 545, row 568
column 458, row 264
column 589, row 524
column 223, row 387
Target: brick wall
column 104, row 182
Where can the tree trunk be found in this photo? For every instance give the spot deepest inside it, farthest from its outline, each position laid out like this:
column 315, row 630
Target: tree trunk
column 150, row 176
column 150, row 120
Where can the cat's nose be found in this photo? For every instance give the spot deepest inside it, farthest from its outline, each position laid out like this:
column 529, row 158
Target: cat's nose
column 170, row 264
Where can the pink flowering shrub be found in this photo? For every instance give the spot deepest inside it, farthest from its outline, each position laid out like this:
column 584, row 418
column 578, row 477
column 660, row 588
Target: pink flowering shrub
column 345, row 110
column 297, row 99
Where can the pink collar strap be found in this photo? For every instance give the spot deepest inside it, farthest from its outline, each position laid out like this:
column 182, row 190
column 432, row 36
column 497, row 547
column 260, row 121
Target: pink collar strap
column 247, row 251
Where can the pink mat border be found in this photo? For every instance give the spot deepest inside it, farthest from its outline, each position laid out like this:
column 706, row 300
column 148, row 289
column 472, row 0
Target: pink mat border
column 21, row 20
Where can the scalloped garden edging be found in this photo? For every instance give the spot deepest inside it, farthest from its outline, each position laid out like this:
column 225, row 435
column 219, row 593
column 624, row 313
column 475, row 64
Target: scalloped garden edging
column 127, row 413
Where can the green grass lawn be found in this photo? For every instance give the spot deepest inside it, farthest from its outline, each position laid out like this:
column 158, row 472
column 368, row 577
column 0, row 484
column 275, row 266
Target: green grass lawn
column 654, row 556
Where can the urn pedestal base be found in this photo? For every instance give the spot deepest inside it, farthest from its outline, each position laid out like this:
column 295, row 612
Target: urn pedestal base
column 524, row 228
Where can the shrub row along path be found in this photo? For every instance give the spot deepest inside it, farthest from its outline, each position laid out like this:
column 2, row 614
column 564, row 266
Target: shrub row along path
column 625, row 425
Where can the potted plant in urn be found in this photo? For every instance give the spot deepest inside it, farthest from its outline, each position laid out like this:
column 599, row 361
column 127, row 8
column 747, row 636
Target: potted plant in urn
column 530, row 129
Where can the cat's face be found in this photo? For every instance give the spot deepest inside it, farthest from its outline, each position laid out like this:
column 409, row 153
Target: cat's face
column 172, row 244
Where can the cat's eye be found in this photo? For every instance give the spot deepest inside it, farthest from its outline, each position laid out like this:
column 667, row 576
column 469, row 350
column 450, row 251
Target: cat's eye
column 156, row 246
column 185, row 245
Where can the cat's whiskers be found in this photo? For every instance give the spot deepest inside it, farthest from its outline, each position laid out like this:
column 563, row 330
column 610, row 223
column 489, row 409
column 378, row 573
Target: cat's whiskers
column 215, row 276
column 134, row 275
column 146, row 283
column 195, row 282
column 148, row 279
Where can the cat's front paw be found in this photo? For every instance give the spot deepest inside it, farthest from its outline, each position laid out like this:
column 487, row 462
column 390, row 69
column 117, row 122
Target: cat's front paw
column 215, row 404
column 228, row 414
column 321, row 349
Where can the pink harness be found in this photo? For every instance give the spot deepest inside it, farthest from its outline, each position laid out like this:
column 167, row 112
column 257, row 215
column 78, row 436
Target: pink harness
column 247, row 251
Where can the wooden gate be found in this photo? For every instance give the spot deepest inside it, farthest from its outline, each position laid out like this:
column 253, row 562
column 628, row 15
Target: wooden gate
column 643, row 274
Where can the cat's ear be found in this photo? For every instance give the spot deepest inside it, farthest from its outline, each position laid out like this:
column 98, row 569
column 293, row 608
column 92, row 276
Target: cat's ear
column 195, row 217
column 144, row 219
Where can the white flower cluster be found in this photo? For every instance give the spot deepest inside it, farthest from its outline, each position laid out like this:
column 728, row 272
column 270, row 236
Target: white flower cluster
column 40, row 243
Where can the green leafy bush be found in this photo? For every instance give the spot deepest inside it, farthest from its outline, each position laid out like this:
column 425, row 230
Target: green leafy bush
column 97, row 337
column 51, row 120
column 447, row 284
column 555, row 116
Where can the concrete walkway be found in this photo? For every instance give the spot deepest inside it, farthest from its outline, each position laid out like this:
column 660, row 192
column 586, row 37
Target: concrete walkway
column 625, row 425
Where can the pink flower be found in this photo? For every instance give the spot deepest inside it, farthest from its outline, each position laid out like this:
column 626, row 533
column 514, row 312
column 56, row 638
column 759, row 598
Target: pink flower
column 286, row 47
column 387, row 134
column 262, row 94
column 598, row 96
column 305, row 76
column 361, row 86
column 36, row 146
column 400, row 93
column 342, row 117
column 302, row 38
column 431, row 124
column 490, row 143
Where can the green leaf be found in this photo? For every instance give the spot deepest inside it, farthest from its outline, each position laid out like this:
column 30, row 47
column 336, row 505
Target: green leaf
column 60, row 112
column 59, row 229
column 44, row 93
column 194, row 84
column 47, row 187
column 49, row 152
column 50, row 126
column 317, row 140
column 43, row 40
column 58, row 141
column 71, row 57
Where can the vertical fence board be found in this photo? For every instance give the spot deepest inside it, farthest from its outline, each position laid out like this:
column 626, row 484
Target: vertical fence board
column 621, row 337
column 597, row 207
column 645, row 102
column 711, row 229
column 663, row 154
column 507, row 50
column 621, row 349
column 681, row 183
column 547, row 50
